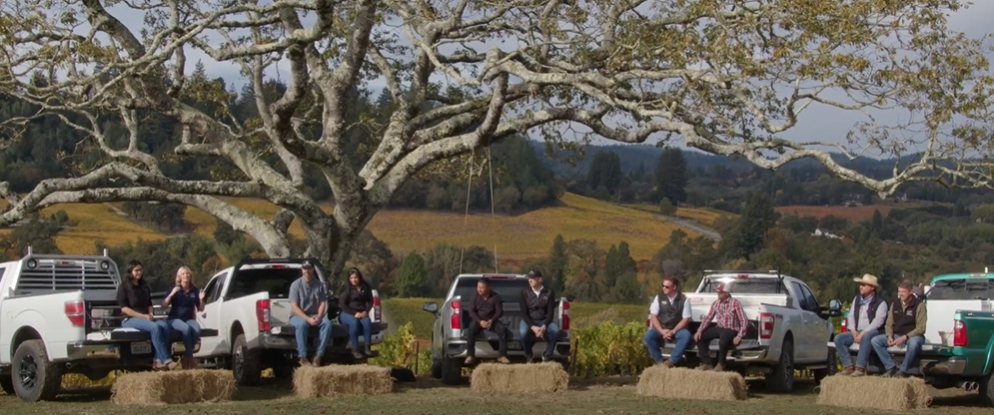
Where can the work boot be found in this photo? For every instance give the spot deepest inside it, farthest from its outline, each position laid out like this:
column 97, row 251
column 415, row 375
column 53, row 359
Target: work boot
column 369, row 351
column 357, row 354
column 317, row 361
column 529, row 358
column 503, row 359
column 848, row 371
column 859, row 372
column 704, row 367
column 719, row 368
column 669, row 363
column 304, row 361
column 891, row 373
column 469, row 360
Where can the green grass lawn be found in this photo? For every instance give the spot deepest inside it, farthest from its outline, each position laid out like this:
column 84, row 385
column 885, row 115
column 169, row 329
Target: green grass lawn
column 401, row 310
column 427, row 396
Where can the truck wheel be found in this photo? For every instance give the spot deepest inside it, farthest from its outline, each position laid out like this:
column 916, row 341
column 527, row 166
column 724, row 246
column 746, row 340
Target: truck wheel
column 34, row 377
column 986, row 392
column 436, row 369
column 781, row 380
column 451, row 371
column 829, row 370
column 7, row 384
column 245, row 364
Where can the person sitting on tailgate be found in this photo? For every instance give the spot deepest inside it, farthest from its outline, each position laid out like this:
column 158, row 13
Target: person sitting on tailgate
column 186, row 301
column 486, row 309
column 355, row 303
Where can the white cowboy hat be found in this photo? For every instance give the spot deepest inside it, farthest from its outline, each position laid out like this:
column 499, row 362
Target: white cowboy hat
column 868, row 279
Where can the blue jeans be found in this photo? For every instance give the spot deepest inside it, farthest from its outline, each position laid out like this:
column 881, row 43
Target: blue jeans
column 302, row 328
column 190, row 330
column 914, row 348
column 844, row 340
column 161, row 347
column 528, row 337
column 354, row 324
column 654, row 342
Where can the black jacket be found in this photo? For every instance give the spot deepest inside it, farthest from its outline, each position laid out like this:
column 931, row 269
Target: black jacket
column 540, row 307
column 491, row 308
column 354, row 300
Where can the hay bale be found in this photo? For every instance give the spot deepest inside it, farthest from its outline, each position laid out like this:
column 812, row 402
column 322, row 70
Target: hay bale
column 336, row 381
column 548, row 377
column 177, row 386
column 682, row 383
column 874, row 392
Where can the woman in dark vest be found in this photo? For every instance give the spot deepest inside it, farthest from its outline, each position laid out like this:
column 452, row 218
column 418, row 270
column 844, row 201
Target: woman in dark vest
column 905, row 327
column 355, row 303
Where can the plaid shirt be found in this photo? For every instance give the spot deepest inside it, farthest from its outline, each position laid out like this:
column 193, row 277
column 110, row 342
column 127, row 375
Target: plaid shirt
column 729, row 316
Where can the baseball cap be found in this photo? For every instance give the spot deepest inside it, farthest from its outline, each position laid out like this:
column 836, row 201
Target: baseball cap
column 306, row 264
column 534, row 274
column 721, row 288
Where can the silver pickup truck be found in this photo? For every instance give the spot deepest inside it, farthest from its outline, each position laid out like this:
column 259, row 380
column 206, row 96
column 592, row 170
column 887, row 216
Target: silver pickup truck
column 448, row 336
column 787, row 328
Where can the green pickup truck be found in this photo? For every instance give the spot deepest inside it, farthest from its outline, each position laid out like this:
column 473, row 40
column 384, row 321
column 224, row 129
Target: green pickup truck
column 959, row 337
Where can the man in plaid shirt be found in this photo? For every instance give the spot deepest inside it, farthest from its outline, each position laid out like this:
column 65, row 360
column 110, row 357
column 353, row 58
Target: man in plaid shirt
column 731, row 328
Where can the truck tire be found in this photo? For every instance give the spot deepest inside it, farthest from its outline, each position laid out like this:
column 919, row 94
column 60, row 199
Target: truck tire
column 451, row 371
column 986, row 392
column 781, row 379
column 35, row 377
column 7, row 383
column 829, row 370
column 436, row 369
column 245, row 364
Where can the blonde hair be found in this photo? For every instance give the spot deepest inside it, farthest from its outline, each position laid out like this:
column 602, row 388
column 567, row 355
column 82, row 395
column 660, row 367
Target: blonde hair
column 180, row 272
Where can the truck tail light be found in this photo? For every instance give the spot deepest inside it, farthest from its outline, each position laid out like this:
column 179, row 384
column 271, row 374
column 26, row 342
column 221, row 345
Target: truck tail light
column 565, row 315
column 845, row 325
column 456, row 319
column 262, row 315
column 766, row 325
column 376, row 308
column 75, row 311
column 959, row 334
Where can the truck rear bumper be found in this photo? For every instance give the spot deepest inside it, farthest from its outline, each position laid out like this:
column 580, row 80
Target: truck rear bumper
column 457, row 348
column 89, row 350
column 284, row 337
column 755, row 355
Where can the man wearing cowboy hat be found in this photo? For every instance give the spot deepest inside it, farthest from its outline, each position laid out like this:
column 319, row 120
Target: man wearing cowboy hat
column 730, row 330
column 866, row 318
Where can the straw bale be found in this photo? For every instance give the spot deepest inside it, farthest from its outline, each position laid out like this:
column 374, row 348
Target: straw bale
column 874, row 392
column 548, row 377
column 336, row 381
column 170, row 387
column 682, row 383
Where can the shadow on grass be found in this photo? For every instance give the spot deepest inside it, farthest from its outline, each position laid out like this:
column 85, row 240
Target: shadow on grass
column 84, row 394
column 585, row 384
column 268, row 389
column 971, row 400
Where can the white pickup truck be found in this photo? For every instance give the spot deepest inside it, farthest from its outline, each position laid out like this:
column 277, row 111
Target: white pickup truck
column 59, row 315
column 787, row 328
column 249, row 305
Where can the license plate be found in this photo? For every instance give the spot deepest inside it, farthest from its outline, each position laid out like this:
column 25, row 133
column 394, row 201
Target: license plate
column 141, row 348
column 513, row 346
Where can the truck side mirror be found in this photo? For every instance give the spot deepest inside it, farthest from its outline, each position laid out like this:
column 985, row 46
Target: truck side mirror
column 431, row 307
column 834, row 308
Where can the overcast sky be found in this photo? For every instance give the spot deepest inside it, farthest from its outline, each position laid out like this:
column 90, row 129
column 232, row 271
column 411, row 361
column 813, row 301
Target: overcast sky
column 823, row 124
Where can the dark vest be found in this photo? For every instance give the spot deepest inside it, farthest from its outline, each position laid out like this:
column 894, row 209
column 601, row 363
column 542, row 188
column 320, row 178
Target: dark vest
column 871, row 312
column 904, row 319
column 670, row 315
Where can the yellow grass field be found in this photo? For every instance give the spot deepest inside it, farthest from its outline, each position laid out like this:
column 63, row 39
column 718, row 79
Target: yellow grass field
column 521, row 237
column 703, row 216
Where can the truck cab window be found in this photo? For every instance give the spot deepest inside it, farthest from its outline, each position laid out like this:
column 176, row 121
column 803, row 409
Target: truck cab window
column 962, row 290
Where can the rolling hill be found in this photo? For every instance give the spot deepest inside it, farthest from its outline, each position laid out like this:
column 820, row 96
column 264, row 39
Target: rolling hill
column 517, row 238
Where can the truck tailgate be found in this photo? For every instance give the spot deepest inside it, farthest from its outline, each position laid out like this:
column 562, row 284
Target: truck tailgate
column 280, row 311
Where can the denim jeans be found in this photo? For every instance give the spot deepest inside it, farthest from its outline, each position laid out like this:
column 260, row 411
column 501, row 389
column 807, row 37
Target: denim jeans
column 354, row 324
column 161, row 347
column 654, row 342
column 528, row 337
column 190, row 330
column 844, row 340
column 302, row 328
column 914, row 348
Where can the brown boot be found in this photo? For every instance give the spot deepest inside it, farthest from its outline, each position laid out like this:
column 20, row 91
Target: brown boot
column 317, row 361
column 719, row 368
column 503, row 359
column 848, row 371
column 171, row 365
column 469, row 360
column 859, row 372
column 669, row 363
column 304, row 361
column 704, row 367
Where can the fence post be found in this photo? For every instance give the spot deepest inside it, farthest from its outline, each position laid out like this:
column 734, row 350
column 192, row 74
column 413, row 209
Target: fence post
column 417, row 357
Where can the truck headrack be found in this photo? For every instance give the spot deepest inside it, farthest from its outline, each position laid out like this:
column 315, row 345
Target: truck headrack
column 66, row 273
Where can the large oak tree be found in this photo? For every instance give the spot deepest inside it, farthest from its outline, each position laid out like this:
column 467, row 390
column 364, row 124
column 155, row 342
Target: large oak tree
column 728, row 77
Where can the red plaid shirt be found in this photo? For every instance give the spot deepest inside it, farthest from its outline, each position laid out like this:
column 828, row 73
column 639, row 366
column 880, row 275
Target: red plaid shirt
column 729, row 315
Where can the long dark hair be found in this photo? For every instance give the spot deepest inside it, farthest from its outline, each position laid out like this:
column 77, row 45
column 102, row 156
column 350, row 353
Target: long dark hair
column 362, row 280
column 134, row 263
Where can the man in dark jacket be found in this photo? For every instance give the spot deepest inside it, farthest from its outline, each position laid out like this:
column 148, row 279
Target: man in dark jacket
column 538, row 310
column 669, row 315
column 486, row 310
column 905, row 326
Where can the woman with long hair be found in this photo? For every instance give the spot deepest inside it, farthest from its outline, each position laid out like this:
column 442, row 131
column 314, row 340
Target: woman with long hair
column 186, row 300
column 355, row 303
column 135, row 298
